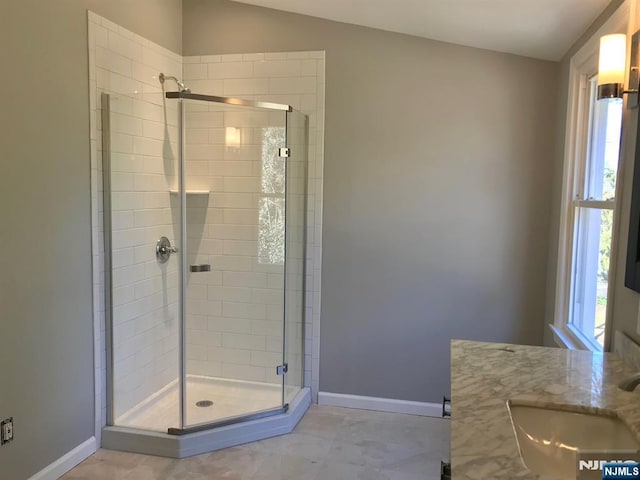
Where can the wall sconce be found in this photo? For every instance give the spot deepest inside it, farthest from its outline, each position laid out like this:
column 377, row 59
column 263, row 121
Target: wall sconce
column 233, row 137
column 611, row 68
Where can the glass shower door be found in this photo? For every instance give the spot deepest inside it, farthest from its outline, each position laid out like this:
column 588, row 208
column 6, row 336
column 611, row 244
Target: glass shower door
column 235, row 233
column 296, row 180
column 141, row 296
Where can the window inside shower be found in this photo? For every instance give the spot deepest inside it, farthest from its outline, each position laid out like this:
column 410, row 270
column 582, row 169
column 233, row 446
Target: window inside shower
column 201, row 336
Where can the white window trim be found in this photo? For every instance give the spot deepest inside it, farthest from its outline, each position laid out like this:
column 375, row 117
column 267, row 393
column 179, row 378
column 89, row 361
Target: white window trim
column 581, row 67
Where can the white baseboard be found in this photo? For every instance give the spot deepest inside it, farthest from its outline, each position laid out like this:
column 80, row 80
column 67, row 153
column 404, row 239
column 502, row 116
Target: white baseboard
column 380, row 404
column 65, row 463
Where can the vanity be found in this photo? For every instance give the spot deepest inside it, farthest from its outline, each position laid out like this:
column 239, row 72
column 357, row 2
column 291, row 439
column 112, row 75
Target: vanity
column 541, row 389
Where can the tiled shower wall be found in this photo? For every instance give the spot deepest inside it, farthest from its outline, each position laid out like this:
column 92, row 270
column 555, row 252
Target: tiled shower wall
column 245, row 311
column 144, row 169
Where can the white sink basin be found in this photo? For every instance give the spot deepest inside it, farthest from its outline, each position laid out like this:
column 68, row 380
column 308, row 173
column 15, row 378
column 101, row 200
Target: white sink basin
column 549, row 439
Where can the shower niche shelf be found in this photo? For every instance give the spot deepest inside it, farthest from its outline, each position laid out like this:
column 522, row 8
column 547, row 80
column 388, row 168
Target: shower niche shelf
column 191, row 192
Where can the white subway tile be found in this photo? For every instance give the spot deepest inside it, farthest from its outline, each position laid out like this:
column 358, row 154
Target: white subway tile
column 266, row 359
column 243, row 341
column 162, row 63
column 205, row 87
column 240, row 232
column 267, row 296
column 126, row 47
column 277, row 68
column 150, row 286
column 211, row 246
column 204, row 152
column 124, row 295
column 117, row 83
column 292, row 85
column 241, row 184
column 121, row 220
column 309, row 67
column 122, row 257
column 234, row 263
column 147, row 146
column 275, row 280
column 204, row 307
column 275, row 56
column 229, row 355
column 148, row 111
column 267, row 327
column 240, row 217
column 196, row 136
column 230, row 70
column 245, row 86
column 232, row 294
column 241, row 248
column 109, row 25
column 126, row 200
column 196, row 352
column 100, row 35
column 206, row 338
column 121, row 143
column 205, row 119
column 195, row 71
column 233, row 57
column 244, row 279
column 245, row 153
column 126, row 124
column 244, row 372
column 298, row 55
column 196, row 322
column 206, row 368
column 156, row 199
column 234, row 200
column 275, row 343
column 125, row 163
column 196, row 292
column 231, row 168
column 121, row 182
column 153, row 130
column 275, row 312
column 126, row 33
column 244, row 119
column 243, row 310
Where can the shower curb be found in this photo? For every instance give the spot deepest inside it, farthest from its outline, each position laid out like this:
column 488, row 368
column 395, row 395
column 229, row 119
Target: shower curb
column 165, row 445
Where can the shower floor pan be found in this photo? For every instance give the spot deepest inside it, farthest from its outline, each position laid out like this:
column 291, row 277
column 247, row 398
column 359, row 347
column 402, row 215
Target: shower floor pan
column 143, row 428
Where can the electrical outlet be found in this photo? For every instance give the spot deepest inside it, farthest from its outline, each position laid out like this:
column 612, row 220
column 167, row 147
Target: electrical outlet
column 6, row 431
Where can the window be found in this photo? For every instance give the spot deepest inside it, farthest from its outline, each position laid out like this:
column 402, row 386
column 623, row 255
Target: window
column 594, row 205
column 590, row 205
column 271, row 214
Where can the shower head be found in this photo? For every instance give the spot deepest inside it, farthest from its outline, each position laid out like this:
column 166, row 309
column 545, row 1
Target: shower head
column 183, row 88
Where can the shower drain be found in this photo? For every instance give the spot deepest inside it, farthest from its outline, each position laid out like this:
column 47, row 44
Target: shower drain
column 204, row 403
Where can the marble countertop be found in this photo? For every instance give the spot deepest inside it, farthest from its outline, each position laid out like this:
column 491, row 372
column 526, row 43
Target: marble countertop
column 485, row 375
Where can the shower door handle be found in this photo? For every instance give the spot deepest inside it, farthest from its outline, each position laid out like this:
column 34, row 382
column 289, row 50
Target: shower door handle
column 205, row 267
column 164, row 250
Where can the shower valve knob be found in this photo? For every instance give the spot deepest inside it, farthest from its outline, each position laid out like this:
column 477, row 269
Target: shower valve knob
column 164, row 250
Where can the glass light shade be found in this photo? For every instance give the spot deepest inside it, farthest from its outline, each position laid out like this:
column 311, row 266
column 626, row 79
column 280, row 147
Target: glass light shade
column 232, row 137
column 613, row 55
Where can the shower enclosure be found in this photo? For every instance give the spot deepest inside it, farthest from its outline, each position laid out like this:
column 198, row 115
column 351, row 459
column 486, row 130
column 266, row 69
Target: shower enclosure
column 204, row 231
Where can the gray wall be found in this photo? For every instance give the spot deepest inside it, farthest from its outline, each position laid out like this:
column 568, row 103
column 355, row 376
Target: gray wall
column 436, row 193
column 46, row 354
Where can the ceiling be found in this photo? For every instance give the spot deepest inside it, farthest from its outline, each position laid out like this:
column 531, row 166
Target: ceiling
column 543, row 29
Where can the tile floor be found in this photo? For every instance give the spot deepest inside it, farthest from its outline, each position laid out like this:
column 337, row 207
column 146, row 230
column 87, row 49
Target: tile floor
column 328, row 444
